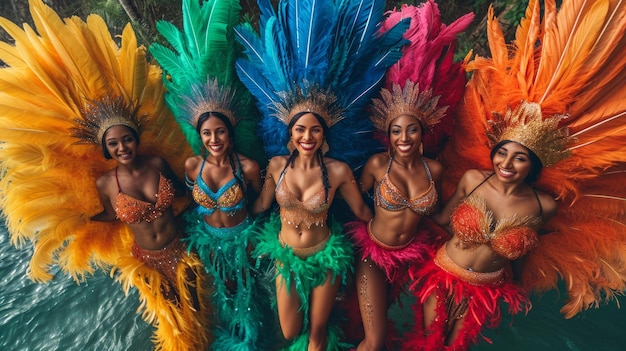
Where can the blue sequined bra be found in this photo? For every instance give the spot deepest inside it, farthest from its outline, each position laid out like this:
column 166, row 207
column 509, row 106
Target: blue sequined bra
column 229, row 198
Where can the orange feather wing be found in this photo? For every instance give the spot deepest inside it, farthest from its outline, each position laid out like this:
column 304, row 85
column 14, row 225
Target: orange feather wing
column 570, row 61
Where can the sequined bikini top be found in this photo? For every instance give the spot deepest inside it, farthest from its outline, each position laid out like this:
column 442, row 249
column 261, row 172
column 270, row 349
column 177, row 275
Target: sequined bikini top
column 229, row 198
column 512, row 237
column 132, row 210
column 312, row 211
column 389, row 197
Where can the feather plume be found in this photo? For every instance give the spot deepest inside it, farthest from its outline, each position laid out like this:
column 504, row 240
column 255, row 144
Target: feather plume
column 334, row 45
column 48, row 183
column 428, row 62
column 570, row 61
column 205, row 50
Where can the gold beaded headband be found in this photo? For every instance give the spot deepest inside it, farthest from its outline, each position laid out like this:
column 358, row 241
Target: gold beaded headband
column 321, row 102
column 102, row 114
column 209, row 97
column 526, row 125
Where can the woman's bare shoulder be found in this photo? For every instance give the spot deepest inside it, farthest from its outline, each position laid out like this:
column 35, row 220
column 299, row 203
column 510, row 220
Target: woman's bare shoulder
column 376, row 161
column 106, row 180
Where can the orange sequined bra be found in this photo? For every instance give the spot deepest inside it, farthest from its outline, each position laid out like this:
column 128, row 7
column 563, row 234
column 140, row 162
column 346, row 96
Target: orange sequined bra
column 312, row 211
column 131, row 210
column 389, row 197
column 511, row 237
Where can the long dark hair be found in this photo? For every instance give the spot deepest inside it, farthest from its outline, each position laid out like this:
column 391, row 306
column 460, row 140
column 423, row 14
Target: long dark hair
column 231, row 137
column 106, row 152
column 535, row 163
column 294, row 154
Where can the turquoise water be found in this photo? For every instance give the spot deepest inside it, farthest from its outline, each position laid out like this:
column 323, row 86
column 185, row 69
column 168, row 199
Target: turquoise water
column 95, row 315
column 64, row 316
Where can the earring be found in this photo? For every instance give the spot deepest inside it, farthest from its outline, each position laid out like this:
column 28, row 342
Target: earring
column 290, row 146
column 421, row 149
column 324, row 148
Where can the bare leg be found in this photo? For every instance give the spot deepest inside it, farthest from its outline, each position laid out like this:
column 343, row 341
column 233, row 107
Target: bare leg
column 289, row 315
column 455, row 316
column 322, row 299
column 371, row 284
column 429, row 307
column 455, row 326
column 192, row 278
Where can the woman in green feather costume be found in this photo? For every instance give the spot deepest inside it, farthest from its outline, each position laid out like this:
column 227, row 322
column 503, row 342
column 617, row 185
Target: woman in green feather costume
column 212, row 108
column 311, row 258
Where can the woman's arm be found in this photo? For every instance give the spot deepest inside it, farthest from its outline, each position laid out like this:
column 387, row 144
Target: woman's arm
column 108, row 213
column 267, row 194
column 251, row 174
column 443, row 217
column 367, row 179
column 351, row 192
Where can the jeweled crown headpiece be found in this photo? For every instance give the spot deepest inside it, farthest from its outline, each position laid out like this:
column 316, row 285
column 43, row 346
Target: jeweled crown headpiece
column 209, row 97
column 102, row 114
column 410, row 101
column 309, row 99
column 526, row 125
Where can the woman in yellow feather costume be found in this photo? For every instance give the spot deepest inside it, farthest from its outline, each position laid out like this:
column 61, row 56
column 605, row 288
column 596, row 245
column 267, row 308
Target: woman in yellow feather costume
column 61, row 82
column 557, row 90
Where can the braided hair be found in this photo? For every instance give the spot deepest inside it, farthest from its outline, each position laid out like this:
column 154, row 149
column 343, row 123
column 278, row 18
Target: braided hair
column 294, row 153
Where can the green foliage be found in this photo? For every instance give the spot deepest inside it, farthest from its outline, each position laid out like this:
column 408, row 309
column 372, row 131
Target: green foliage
column 474, row 38
column 149, row 12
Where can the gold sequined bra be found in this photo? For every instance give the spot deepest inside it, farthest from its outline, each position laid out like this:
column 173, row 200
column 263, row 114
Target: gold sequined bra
column 389, row 197
column 229, row 198
column 131, row 210
column 312, row 211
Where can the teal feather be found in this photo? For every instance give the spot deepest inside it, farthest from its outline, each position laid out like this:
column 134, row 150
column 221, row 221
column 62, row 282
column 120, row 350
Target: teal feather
column 205, row 50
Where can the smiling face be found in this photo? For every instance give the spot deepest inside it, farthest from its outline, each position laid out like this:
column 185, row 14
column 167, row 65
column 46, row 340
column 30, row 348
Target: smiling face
column 121, row 143
column 215, row 136
column 307, row 134
column 405, row 135
column 511, row 162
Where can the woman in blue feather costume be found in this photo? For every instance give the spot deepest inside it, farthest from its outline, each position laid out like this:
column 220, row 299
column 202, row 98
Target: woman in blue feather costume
column 312, row 67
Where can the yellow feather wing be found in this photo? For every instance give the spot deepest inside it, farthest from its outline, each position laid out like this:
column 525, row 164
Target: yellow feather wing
column 47, row 189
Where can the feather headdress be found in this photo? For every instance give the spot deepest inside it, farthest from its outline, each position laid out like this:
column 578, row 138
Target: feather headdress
column 100, row 115
column 425, row 83
column 60, row 71
column 312, row 47
column 561, row 78
column 200, row 72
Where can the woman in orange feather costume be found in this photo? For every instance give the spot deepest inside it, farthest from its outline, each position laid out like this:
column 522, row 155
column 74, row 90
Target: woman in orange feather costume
column 548, row 101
